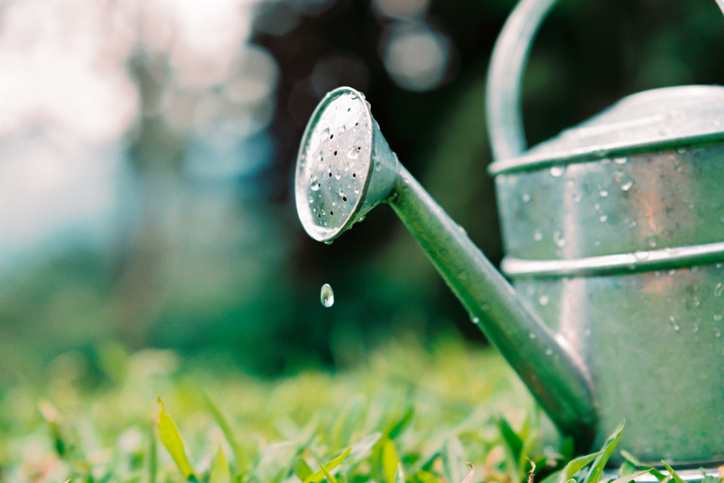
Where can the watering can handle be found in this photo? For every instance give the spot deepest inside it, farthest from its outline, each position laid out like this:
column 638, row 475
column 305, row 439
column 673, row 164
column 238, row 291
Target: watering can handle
column 510, row 55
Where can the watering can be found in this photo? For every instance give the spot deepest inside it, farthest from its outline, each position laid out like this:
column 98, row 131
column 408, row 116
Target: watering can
column 614, row 240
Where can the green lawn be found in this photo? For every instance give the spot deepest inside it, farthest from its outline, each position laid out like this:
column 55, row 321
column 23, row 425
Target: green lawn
column 407, row 412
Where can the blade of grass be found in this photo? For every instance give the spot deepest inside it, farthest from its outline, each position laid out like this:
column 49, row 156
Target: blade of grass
column 362, row 447
column 471, row 473
column 452, row 459
column 576, row 465
column 152, row 456
column 220, row 472
column 626, row 468
column 390, row 460
column 630, row 477
column 402, row 424
column 426, row 477
column 512, row 440
column 400, row 474
column 633, row 460
column 302, row 469
column 228, row 434
column 673, row 473
column 171, row 439
column 329, row 477
column 597, row 468
column 319, row 475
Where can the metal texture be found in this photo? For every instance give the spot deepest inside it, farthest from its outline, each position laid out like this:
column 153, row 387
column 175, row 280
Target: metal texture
column 614, row 234
column 340, row 149
column 544, row 362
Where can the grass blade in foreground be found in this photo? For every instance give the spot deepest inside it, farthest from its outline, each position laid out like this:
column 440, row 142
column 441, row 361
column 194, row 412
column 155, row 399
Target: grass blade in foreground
column 597, row 469
column 220, row 469
column 171, row 439
column 573, row 467
column 634, row 461
column 469, row 478
column 673, row 473
column 319, row 475
column 228, row 434
column 331, row 478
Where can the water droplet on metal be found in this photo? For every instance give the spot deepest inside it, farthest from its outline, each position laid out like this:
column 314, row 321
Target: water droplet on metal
column 543, row 300
column 538, row 236
column 557, row 171
column 641, row 255
column 526, row 198
column 623, row 180
column 327, row 295
column 603, row 218
column 622, row 160
column 603, row 193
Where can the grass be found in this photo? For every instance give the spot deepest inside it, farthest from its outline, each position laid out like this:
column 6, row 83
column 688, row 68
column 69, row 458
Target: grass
column 446, row 413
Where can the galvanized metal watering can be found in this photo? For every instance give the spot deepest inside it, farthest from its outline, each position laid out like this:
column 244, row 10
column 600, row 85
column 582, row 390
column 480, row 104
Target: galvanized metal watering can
column 614, row 234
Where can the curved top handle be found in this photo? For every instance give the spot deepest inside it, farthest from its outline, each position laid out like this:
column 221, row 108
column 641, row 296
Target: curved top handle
column 510, row 55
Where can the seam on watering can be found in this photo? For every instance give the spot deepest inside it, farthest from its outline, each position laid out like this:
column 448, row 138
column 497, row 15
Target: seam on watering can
column 620, row 263
column 546, row 159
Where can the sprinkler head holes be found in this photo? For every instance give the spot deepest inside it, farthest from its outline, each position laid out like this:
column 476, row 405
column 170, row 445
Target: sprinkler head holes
column 344, row 167
column 333, row 165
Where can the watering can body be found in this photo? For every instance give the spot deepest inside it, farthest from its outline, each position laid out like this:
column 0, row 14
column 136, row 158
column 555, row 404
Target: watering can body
column 614, row 235
column 620, row 251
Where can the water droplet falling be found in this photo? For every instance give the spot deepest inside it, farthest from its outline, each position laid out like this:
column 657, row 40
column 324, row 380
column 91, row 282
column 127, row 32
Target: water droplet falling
column 475, row 320
column 538, row 236
column 603, row 193
column 674, row 325
column 559, row 239
column 544, row 300
column 718, row 289
column 526, row 198
column 549, row 352
column 327, row 295
column 603, row 218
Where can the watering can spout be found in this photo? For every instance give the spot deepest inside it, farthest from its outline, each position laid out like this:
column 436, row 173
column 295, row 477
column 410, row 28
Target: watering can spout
column 345, row 168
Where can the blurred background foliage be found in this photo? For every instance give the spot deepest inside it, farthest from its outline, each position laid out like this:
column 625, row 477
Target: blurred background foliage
column 147, row 152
